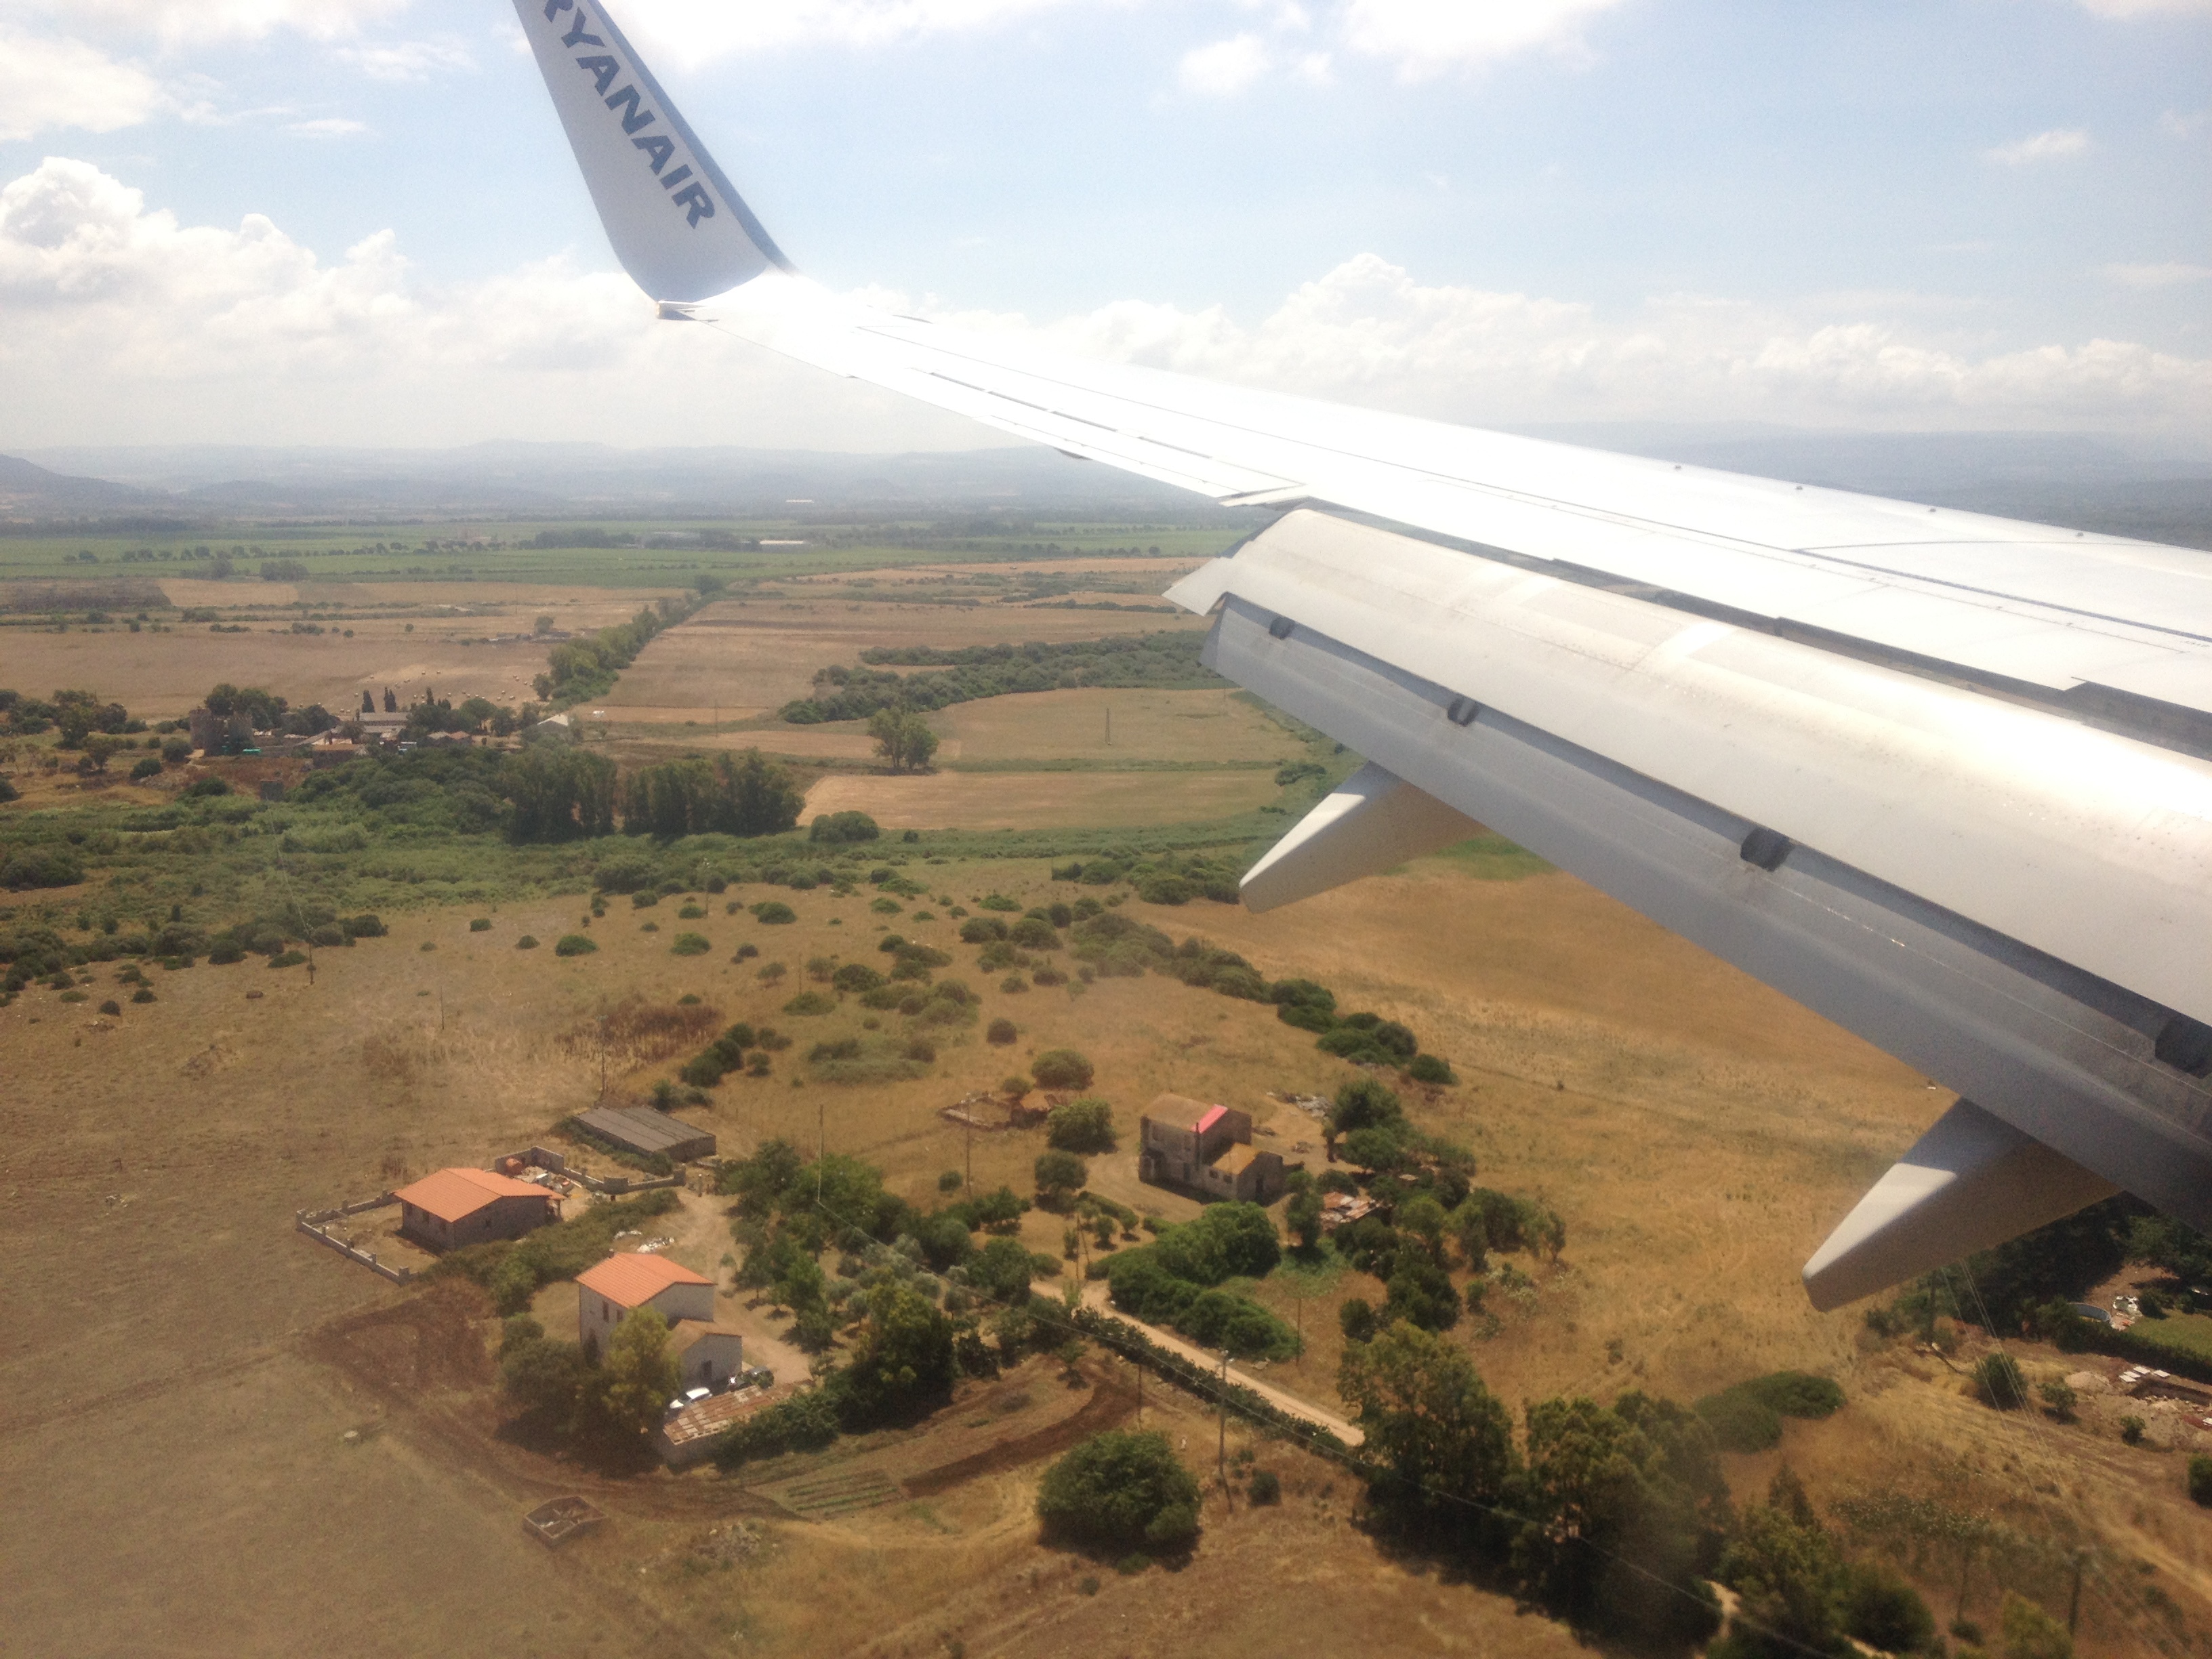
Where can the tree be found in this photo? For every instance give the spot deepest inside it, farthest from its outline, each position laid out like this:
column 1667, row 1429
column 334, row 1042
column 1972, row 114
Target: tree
column 1085, row 1125
column 842, row 828
column 1060, row 1177
column 1002, row 1270
column 1062, row 1068
column 903, row 739
column 1784, row 1566
column 2200, row 1481
column 641, row 1375
column 1882, row 1610
column 1303, row 1216
column 1421, row 1292
column 1121, row 1490
column 1440, row 1442
column 903, row 1360
column 544, row 1377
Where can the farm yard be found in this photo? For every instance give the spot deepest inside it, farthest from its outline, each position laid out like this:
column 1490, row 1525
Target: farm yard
column 263, row 1446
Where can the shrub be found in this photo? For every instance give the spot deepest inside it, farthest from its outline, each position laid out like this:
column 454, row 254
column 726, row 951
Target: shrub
column 1001, row 1032
column 689, row 945
column 810, row 1002
column 2059, row 1397
column 148, row 767
column 224, row 952
column 2200, row 1481
column 365, row 926
column 1062, row 1068
column 112, row 1008
column 575, row 944
column 35, row 869
column 528, row 942
column 1081, row 1125
column 997, row 901
column 289, row 959
column 842, row 828
column 481, row 924
column 1121, row 1490
column 774, row 912
column 1883, row 1611
column 1356, row 1318
column 1740, row 1422
column 1430, row 1068
column 2000, row 1383
column 2131, row 1430
column 1267, row 1487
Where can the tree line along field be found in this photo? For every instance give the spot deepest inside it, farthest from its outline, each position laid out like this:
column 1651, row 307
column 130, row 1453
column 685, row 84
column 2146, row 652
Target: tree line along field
column 1695, row 1134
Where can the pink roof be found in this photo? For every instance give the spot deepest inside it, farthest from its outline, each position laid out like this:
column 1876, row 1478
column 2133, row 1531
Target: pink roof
column 1211, row 1118
column 633, row 1278
column 451, row 1194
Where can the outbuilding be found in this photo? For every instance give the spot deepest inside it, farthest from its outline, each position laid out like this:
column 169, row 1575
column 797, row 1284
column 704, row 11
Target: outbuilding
column 648, row 1134
column 455, row 1208
column 620, row 1286
column 709, row 1356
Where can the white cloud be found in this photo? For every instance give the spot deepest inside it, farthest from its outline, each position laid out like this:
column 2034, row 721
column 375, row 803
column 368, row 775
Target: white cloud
column 2169, row 274
column 1428, row 38
column 126, row 325
column 181, row 20
column 329, row 127
column 2054, row 145
column 47, row 83
column 1225, row 68
column 411, row 60
column 699, row 31
column 2175, row 123
column 1368, row 333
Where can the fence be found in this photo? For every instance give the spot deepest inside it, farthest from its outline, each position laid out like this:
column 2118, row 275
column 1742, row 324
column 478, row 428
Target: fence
column 1132, row 1343
column 315, row 1224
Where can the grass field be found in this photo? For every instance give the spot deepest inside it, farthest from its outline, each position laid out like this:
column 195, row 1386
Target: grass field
column 184, row 1369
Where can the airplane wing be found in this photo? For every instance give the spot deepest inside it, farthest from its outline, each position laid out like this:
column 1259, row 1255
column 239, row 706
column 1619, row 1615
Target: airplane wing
column 1943, row 778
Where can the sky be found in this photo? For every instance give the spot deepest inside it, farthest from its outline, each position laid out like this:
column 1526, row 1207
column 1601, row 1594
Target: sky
column 356, row 222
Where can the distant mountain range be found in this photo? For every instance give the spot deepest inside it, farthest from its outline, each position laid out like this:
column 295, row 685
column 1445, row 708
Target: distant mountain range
column 2081, row 480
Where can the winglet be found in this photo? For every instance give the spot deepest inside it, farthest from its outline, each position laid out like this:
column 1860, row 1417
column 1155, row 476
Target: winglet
column 677, row 224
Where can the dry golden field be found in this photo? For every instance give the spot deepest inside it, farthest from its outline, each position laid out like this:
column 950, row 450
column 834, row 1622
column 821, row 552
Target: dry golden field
column 184, row 1367
column 1155, row 726
column 748, row 657
column 1024, row 800
column 162, row 676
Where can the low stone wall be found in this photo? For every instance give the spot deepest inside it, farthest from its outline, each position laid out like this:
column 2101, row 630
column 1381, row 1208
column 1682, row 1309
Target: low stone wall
column 315, row 1224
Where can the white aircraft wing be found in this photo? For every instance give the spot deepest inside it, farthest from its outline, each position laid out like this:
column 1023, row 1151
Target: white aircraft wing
column 1944, row 778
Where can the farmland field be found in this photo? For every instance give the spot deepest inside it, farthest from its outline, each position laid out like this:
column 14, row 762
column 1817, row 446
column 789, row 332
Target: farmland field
column 252, row 1446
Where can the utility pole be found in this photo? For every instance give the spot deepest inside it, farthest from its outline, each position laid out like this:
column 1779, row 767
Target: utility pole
column 1110, row 725
column 968, row 1131
column 1139, row 1362
column 2073, row 1607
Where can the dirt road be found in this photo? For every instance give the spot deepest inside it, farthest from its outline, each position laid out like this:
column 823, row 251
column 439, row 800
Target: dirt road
column 1095, row 1295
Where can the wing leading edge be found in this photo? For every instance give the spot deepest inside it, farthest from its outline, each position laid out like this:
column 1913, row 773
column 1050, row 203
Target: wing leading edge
column 1945, row 778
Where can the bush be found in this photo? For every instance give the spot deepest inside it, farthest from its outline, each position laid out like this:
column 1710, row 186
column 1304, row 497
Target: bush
column 1121, row 1490
column 1001, row 1032
column 1740, row 1422
column 1432, row 1068
column 148, row 767
column 1882, row 1610
column 481, row 924
column 689, row 945
column 1062, row 1068
column 2200, row 1481
column 575, row 944
column 226, row 951
column 1267, row 1487
column 2000, row 1383
column 1081, row 1125
column 774, row 912
column 842, row 828
column 112, row 1008
column 528, row 942
column 810, row 1002
column 31, row 869
column 2131, row 1430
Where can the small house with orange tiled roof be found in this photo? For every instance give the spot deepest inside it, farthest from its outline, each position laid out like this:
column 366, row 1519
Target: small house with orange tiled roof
column 620, row 1286
column 455, row 1208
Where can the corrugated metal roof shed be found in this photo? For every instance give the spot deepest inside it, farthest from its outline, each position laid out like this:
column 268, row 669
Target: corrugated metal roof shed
column 653, row 1134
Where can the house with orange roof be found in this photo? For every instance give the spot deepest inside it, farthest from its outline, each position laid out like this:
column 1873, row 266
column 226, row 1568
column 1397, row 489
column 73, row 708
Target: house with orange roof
column 620, row 1286
column 455, row 1208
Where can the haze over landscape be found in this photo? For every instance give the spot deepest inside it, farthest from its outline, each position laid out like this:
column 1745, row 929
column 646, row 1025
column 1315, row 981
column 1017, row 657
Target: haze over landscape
column 626, row 1023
